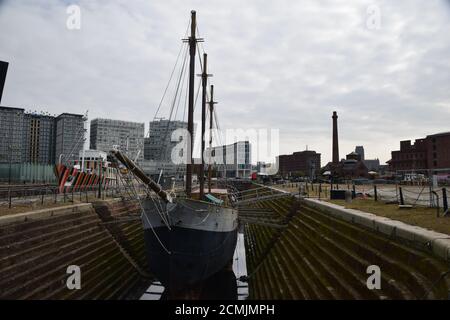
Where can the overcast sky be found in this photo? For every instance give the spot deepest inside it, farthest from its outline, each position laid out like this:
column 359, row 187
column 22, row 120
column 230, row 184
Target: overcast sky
column 277, row 64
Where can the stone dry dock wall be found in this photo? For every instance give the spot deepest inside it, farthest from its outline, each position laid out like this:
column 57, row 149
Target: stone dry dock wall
column 37, row 247
column 321, row 256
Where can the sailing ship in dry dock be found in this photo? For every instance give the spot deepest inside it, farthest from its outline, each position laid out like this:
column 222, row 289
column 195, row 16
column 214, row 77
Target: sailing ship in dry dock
column 190, row 237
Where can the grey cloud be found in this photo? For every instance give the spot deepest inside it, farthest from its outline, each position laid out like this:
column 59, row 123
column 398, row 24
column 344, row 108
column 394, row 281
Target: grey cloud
column 276, row 64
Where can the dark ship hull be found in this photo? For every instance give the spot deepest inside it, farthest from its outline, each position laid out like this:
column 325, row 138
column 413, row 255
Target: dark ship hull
column 201, row 242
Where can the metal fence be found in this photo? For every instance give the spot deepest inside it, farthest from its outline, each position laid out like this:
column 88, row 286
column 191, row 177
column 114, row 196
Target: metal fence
column 42, row 194
column 423, row 196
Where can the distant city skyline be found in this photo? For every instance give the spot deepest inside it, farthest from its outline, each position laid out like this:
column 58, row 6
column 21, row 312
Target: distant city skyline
column 39, row 138
column 284, row 66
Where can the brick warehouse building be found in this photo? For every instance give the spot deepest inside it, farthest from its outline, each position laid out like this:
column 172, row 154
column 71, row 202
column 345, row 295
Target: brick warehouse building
column 429, row 153
column 307, row 162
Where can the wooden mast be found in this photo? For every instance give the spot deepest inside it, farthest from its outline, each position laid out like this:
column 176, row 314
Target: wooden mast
column 192, row 49
column 211, row 110
column 202, row 168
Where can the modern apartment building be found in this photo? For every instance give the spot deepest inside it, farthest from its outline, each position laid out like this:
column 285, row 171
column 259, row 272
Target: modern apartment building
column 128, row 136
column 158, row 146
column 39, row 138
column 12, row 135
column 70, row 135
column 233, row 160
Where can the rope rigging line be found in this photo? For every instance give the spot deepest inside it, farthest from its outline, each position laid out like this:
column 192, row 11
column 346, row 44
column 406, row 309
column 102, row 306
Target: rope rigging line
column 201, row 62
column 80, row 137
column 143, row 215
column 216, row 121
column 196, row 95
column 185, row 110
column 184, row 87
column 177, row 100
column 178, row 86
column 180, row 78
column 198, row 33
column 67, row 158
column 133, row 194
column 199, row 58
column 172, row 73
column 168, row 83
column 154, row 232
column 162, row 213
column 119, row 175
column 186, row 102
column 201, row 69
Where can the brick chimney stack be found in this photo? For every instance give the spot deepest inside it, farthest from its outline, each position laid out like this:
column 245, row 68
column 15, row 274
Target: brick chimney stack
column 335, row 139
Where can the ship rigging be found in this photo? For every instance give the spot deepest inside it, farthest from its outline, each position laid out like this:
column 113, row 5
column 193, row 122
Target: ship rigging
column 192, row 235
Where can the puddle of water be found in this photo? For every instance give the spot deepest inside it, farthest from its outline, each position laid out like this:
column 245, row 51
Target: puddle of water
column 240, row 267
column 154, row 292
column 212, row 288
